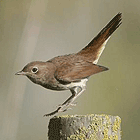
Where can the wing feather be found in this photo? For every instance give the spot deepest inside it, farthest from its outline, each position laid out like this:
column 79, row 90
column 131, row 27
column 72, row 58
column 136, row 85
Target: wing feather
column 73, row 72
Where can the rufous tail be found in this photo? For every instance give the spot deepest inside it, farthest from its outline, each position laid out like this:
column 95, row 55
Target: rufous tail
column 94, row 49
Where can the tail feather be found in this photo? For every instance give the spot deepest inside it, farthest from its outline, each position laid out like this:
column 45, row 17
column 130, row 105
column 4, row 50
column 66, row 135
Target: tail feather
column 95, row 48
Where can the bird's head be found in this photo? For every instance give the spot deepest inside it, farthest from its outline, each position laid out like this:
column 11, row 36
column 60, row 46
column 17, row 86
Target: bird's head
column 36, row 71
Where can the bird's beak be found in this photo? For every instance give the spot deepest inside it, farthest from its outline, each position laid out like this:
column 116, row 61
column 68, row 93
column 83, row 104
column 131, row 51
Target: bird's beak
column 20, row 73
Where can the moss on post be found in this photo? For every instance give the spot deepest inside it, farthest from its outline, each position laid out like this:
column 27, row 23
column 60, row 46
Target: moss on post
column 85, row 127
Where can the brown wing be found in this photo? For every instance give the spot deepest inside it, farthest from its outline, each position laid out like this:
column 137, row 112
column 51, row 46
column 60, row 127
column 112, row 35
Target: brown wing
column 72, row 72
column 94, row 49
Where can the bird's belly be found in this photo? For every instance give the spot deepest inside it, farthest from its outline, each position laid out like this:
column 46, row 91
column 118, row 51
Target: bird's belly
column 60, row 87
column 57, row 87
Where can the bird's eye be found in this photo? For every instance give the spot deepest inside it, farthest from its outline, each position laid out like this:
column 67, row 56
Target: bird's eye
column 34, row 70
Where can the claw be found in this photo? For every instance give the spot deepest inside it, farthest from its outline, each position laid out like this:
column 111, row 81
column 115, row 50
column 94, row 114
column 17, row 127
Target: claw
column 52, row 113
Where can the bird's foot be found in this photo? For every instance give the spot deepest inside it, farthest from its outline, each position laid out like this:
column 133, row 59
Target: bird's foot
column 65, row 107
column 52, row 113
column 68, row 104
column 65, row 110
column 61, row 108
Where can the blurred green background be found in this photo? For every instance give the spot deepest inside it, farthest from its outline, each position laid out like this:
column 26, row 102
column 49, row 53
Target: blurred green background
column 39, row 30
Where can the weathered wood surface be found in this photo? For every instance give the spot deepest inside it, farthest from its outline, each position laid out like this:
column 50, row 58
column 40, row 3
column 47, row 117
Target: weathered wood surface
column 86, row 127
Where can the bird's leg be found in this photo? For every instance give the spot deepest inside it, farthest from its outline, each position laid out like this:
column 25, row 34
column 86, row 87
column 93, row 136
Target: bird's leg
column 65, row 106
column 70, row 100
column 61, row 108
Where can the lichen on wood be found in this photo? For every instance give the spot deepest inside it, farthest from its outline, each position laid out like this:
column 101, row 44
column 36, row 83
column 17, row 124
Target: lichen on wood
column 85, row 127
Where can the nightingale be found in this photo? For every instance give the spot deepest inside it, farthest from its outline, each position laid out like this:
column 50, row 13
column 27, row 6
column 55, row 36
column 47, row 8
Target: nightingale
column 71, row 72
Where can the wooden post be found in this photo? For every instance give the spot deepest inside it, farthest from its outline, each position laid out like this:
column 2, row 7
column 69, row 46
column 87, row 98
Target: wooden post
column 86, row 127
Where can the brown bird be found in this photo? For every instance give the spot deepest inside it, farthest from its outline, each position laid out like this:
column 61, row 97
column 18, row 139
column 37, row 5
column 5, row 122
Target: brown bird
column 71, row 72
